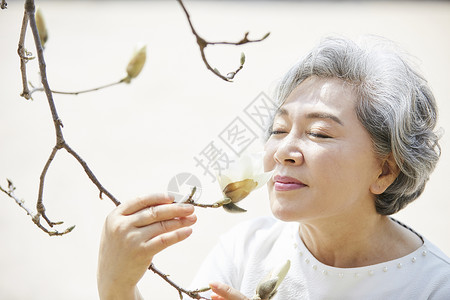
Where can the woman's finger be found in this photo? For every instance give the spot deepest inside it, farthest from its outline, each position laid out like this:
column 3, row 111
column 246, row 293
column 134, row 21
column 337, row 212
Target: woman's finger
column 158, row 228
column 158, row 213
column 162, row 241
column 225, row 292
column 217, row 297
column 132, row 206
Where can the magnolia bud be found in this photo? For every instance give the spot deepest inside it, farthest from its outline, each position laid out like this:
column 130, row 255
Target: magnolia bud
column 233, row 208
column 136, row 63
column 238, row 190
column 266, row 289
column 242, row 58
column 231, row 75
column 222, row 202
column 240, row 179
column 42, row 29
column 268, row 286
column 201, row 290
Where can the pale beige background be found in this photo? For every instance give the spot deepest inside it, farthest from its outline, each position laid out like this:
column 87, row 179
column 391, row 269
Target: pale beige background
column 136, row 137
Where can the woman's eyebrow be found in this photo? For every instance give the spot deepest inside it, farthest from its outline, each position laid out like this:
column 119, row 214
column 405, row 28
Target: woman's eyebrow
column 281, row 112
column 324, row 115
column 313, row 115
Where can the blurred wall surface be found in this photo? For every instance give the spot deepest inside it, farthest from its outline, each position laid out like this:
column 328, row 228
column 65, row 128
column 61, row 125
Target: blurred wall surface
column 137, row 137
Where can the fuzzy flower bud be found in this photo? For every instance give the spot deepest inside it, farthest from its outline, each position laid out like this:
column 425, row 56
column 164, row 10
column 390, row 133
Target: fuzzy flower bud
column 238, row 181
column 136, row 63
column 238, row 190
column 268, row 286
column 242, row 58
column 42, row 29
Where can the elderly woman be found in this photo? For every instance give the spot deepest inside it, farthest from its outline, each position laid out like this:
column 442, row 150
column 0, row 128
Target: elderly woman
column 352, row 142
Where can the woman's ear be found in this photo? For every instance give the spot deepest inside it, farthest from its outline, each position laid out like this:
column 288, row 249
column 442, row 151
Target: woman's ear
column 388, row 173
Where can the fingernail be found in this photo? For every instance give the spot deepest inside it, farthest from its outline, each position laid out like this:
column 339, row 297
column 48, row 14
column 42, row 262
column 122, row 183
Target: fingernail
column 185, row 205
column 169, row 196
column 213, row 285
column 186, row 230
column 192, row 218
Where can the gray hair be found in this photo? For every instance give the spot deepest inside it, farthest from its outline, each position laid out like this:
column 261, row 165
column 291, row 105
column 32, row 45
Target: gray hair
column 394, row 104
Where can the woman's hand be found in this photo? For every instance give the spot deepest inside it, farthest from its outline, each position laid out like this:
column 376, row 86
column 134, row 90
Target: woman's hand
column 132, row 234
column 222, row 291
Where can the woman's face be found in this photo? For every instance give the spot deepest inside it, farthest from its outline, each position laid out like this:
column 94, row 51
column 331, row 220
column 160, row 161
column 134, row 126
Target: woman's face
column 322, row 155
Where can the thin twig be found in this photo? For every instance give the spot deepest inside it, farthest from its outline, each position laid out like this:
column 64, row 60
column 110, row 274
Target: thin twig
column 190, row 200
column 29, row 17
column 83, row 91
column 30, row 10
column 194, row 294
column 214, row 205
column 40, row 204
column 217, row 204
column 60, row 142
column 34, row 217
column 91, row 175
column 25, row 56
column 243, row 41
column 202, row 44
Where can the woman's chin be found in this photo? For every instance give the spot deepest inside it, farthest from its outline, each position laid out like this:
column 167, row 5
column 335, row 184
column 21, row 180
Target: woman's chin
column 284, row 213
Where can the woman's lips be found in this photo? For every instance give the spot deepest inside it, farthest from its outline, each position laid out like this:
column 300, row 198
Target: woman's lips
column 286, row 183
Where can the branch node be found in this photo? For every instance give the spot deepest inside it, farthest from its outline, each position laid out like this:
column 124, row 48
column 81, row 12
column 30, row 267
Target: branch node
column 202, row 44
column 29, row 7
column 26, row 95
column 194, row 294
column 34, row 217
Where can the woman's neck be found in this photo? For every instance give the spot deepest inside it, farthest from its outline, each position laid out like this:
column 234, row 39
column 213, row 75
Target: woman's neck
column 359, row 241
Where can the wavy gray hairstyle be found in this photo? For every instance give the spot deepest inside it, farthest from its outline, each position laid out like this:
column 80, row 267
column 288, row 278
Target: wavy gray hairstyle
column 394, row 104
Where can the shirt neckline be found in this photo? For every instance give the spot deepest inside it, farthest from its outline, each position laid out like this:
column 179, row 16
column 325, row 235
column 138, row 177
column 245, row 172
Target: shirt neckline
column 413, row 258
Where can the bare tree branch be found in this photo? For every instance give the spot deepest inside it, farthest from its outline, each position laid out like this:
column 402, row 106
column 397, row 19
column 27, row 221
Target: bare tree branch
column 194, row 294
column 190, row 200
column 40, row 205
column 34, row 217
column 29, row 18
column 202, row 44
column 25, row 56
column 91, row 175
column 30, row 10
column 243, row 41
column 83, row 91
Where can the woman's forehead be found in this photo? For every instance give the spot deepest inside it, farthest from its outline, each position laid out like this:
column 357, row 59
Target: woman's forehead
column 315, row 93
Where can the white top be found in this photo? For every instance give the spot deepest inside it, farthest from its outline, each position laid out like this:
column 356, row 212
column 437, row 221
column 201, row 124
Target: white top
column 251, row 250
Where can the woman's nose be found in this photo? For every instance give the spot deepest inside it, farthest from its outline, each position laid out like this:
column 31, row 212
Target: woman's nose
column 289, row 152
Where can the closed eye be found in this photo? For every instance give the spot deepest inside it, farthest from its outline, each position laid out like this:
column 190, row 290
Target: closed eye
column 319, row 135
column 277, row 132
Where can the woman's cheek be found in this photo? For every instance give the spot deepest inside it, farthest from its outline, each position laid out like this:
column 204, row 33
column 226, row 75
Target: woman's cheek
column 269, row 162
